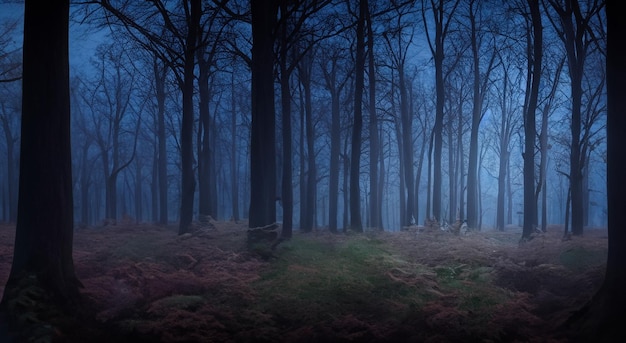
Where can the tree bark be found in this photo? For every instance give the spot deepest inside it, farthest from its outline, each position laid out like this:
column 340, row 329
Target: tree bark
column 375, row 200
column 188, row 183
column 355, row 158
column 44, row 234
column 263, row 136
column 600, row 319
column 529, row 119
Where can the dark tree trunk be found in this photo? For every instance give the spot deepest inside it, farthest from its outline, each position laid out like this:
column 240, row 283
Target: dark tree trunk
column 154, row 186
column 42, row 259
column 504, row 153
column 263, row 134
column 375, row 203
column 335, row 135
column 234, row 166
column 285, row 96
column 529, row 119
column 138, row 191
column 205, row 175
column 10, row 143
column 188, row 183
column 355, row 159
column 472, row 173
column 601, row 320
column 311, row 178
column 159, row 76
column 407, row 148
column 84, row 186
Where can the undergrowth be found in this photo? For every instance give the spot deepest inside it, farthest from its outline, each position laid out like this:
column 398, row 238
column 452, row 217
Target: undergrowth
column 314, row 281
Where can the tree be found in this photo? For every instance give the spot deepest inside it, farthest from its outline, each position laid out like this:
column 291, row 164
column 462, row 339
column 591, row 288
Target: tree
column 398, row 41
column 176, row 47
column 375, row 218
column 600, row 319
column 442, row 22
column 263, row 135
column 355, row 154
column 535, row 40
column 42, row 258
column 110, row 103
column 574, row 27
column 481, row 81
column 332, row 56
column 10, row 98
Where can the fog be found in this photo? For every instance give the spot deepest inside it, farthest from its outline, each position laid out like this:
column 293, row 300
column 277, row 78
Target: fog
column 118, row 64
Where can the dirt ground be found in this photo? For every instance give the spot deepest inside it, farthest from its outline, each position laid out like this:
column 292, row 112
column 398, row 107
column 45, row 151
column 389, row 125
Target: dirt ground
column 144, row 283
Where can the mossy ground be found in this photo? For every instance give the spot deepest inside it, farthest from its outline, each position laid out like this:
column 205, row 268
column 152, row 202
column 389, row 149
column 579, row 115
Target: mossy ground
column 145, row 283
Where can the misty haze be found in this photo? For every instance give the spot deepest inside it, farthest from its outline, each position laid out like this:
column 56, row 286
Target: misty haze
column 307, row 170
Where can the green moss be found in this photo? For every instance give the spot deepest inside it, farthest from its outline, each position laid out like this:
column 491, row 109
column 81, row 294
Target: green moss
column 313, row 281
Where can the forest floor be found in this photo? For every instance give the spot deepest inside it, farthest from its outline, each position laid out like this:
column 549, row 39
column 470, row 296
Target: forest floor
column 144, row 283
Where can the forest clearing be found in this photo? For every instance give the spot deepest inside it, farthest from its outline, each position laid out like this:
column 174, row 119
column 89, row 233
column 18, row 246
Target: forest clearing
column 145, row 283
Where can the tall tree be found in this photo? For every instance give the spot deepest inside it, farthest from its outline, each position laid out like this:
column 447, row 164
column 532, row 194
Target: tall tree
column 442, row 21
column 481, row 81
column 305, row 70
column 600, row 319
column 330, row 66
column 574, row 27
column 356, row 223
column 175, row 45
column 188, row 183
column 398, row 42
column 42, row 258
column 375, row 196
column 263, row 135
column 535, row 40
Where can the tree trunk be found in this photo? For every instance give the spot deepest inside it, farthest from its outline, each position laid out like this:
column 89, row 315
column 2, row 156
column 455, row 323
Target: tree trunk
column 159, row 78
column 335, row 135
column 285, row 96
column 234, row 168
column 263, row 136
column 407, row 148
column 355, row 158
column 600, row 320
column 42, row 258
column 205, row 175
column 529, row 120
column 374, row 199
column 311, row 179
column 188, row 183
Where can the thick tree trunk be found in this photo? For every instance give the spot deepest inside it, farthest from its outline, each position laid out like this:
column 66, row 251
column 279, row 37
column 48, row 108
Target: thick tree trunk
column 188, row 183
column 205, row 177
column 42, row 257
column 601, row 319
column 263, row 135
column 285, row 96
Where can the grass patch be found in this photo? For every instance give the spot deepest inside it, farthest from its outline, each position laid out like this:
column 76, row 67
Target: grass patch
column 314, row 281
